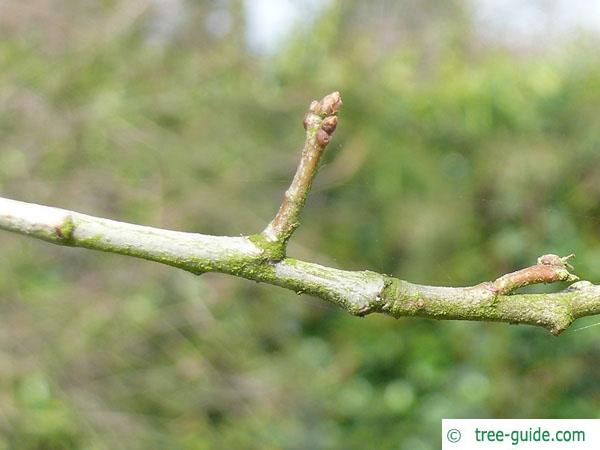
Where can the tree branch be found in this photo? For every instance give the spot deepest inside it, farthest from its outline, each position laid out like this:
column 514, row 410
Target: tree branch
column 549, row 268
column 262, row 257
column 319, row 122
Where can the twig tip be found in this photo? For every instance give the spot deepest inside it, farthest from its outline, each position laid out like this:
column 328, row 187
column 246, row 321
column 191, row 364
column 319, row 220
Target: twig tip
column 328, row 106
column 555, row 260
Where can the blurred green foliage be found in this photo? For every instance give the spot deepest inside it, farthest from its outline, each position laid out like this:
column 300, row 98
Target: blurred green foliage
column 455, row 161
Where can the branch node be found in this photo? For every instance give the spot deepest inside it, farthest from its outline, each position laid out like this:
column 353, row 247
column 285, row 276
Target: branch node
column 64, row 231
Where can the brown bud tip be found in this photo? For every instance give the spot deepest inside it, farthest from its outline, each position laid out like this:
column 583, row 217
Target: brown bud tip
column 328, row 106
column 329, row 124
column 555, row 260
column 550, row 260
column 322, row 137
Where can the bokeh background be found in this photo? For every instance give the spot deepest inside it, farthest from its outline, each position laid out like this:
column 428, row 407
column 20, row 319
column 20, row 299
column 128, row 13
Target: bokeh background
column 468, row 145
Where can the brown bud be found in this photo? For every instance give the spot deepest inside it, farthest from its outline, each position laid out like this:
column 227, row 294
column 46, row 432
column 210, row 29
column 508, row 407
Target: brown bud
column 305, row 122
column 329, row 124
column 322, row 137
column 330, row 103
column 550, row 260
column 555, row 260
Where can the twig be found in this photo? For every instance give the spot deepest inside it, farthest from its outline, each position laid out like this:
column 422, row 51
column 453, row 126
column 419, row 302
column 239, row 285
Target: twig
column 549, row 269
column 262, row 257
column 319, row 122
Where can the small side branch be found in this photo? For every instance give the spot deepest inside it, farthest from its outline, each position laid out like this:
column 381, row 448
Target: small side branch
column 320, row 123
column 549, row 269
